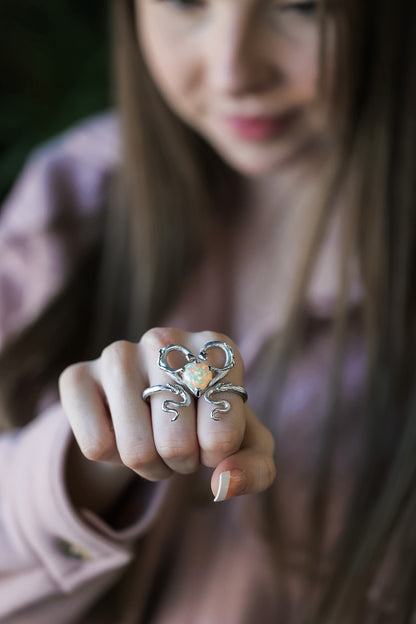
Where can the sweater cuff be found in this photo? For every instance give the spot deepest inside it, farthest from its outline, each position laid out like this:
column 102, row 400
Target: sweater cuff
column 45, row 520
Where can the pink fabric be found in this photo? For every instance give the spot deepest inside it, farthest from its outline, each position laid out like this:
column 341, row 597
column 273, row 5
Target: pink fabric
column 214, row 559
column 50, row 217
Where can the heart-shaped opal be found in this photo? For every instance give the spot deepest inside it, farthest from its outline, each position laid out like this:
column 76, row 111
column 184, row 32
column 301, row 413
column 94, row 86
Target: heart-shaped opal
column 197, row 376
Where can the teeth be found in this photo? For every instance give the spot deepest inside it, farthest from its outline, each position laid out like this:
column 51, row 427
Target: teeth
column 197, row 376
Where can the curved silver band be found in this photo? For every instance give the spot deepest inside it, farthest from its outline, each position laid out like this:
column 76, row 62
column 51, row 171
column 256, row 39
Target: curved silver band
column 169, row 405
column 185, row 384
column 224, row 406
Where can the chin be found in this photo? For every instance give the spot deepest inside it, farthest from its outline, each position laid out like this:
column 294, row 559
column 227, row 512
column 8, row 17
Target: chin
column 255, row 172
column 256, row 167
column 270, row 160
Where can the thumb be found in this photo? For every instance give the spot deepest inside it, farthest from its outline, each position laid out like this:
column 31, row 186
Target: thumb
column 249, row 470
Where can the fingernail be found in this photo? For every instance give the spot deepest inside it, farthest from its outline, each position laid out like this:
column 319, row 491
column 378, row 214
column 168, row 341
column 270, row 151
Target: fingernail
column 232, row 483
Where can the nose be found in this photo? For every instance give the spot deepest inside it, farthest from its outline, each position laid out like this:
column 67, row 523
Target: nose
column 239, row 60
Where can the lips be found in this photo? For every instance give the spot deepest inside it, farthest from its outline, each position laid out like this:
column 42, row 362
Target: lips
column 258, row 128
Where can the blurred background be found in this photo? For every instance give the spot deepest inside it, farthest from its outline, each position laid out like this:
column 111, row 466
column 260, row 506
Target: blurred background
column 54, row 71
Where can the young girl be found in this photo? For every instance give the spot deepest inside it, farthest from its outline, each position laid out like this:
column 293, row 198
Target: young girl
column 255, row 190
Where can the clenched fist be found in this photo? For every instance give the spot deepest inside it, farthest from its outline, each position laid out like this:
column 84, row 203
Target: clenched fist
column 112, row 424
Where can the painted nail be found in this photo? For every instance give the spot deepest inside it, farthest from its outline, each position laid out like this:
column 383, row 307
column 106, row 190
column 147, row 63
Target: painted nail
column 232, row 483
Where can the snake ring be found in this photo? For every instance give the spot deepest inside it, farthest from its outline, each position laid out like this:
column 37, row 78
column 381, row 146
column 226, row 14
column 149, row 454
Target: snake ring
column 196, row 377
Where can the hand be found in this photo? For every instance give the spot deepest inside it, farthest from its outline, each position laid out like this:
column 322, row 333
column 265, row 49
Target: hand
column 113, row 424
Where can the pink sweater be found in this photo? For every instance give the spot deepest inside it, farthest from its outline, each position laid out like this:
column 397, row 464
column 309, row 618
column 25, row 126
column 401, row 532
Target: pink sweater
column 196, row 562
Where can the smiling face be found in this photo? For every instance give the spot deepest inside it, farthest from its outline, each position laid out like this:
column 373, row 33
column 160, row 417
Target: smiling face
column 242, row 73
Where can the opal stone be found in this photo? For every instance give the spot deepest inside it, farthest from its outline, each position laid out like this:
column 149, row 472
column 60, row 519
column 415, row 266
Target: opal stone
column 197, row 376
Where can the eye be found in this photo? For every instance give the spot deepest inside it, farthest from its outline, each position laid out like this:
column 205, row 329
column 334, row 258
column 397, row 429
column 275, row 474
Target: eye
column 183, row 4
column 306, row 9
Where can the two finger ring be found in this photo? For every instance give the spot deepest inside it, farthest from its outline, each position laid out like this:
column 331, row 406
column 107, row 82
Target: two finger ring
column 196, row 377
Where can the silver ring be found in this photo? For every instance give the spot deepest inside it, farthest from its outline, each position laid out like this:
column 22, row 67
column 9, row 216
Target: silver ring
column 196, row 377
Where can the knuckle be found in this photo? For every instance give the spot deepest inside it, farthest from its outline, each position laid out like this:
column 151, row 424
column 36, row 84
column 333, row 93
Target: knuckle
column 213, row 335
column 97, row 450
column 207, row 336
column 74, row 375
column 226, row 444
column 117, row 358
column 138, row 459
column 157, row 336
column 175, row 452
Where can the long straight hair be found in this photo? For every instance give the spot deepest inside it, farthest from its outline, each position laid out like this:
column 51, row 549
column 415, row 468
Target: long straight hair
column 377, row 99
column 373, row 100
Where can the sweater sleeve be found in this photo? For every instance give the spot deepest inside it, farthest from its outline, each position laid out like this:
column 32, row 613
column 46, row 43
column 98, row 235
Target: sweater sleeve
column 52, row 556
column 51, row 216
column 54, row 560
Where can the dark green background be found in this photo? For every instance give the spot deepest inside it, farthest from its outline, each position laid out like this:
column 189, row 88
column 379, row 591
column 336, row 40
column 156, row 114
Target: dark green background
column 54, row 70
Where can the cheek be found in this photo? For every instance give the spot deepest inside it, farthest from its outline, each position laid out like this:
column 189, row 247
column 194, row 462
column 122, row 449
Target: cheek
column 306, row 74
column 170, row 66
column 301, row 65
